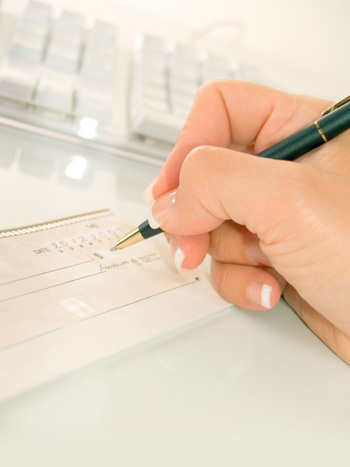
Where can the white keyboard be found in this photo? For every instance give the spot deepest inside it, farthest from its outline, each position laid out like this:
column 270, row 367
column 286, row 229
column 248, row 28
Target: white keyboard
column 66, row 73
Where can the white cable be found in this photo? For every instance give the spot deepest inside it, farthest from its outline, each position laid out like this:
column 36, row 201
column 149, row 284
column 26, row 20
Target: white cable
column 200, row 33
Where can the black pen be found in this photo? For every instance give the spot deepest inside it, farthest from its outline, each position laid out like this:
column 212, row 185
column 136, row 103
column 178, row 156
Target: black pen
column 332, row 123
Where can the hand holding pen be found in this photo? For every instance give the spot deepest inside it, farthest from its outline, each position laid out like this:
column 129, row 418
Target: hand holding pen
column 255, row 214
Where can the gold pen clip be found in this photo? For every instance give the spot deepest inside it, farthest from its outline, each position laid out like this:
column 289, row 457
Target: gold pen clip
column 336, row 106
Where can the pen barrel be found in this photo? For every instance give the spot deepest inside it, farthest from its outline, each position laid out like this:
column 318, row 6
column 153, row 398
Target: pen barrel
column 336, row 122
column 146, row 231
column 295, row 145
column 310, row 137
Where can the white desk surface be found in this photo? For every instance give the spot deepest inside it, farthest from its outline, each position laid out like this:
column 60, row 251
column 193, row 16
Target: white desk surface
column 244, row 388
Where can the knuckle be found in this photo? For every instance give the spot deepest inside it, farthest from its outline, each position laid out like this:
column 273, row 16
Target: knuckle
column 198, row 173
column 220, row 244
column 195, row 162
column 222, row 280
column 214, row 244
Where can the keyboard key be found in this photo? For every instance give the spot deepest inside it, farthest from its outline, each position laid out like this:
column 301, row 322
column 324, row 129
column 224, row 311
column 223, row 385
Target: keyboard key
column 151, row 53
column 64, row 49
column 101, row 39
column 148, row 103
column 33, row 26
column 63, row 57
column 183, row 64
column 39, row 11
column 93, row 102
column 55, row 91
column 37, row 16
column 182, row 87
column 17, row 81
column 159, row 125
column 151, row 43
column 99, row 54
column 148, row 76
column 92, row 107
column 103, row 31
column 150, row 91
column 65, row 39
column 27, row 46
column 151, row 61
column 69, row 29
column 70, row 22
column 97, row 68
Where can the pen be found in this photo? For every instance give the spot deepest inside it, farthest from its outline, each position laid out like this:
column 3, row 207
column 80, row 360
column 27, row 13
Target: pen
column 333, row 121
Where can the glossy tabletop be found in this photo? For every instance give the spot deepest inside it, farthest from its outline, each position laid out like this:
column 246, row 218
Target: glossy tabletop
column 243, row 388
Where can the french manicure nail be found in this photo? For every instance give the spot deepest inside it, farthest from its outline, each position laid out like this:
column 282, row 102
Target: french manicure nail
column 177, row 254
column 161, row 210
column 260, row 294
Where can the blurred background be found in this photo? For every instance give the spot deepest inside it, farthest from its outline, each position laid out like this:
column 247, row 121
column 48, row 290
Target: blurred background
column 123, row 73
column 306, row 37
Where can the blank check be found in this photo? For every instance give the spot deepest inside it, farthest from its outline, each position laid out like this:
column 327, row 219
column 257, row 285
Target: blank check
column 67, row 301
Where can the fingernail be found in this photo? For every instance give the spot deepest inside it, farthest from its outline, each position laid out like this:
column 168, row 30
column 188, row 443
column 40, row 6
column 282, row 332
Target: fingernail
column 148, row 193
column 260, row 294
column 256, row 254
column 177, row 254
column 161, row 210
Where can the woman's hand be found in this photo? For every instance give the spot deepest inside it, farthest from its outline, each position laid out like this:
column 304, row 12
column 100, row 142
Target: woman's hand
column 253, row 214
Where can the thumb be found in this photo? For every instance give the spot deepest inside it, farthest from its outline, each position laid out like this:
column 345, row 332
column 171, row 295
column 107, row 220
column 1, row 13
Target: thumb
column 217, row 184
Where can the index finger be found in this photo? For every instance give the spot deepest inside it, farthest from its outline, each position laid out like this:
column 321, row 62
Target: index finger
column 247, row 117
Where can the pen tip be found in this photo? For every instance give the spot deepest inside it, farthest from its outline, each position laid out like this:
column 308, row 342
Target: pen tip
column 130, row 239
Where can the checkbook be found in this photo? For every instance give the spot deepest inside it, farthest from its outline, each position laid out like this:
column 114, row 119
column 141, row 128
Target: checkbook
column 67, row 301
